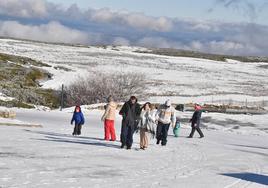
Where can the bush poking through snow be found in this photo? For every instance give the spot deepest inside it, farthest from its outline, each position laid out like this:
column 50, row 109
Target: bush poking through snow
column 96, row 89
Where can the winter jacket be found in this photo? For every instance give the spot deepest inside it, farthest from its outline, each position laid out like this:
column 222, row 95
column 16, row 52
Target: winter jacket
column 78, row 118
column 109, row 111
column 166, row 115
column 131, row 113
column 147, row 121
column 196, row 118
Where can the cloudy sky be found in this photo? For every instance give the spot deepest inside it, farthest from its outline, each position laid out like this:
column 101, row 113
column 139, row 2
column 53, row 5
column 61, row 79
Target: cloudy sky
column 236, row 27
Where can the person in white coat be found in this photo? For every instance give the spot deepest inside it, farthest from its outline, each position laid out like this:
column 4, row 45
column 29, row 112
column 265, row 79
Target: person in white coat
column 147, row 125
column 165, row 117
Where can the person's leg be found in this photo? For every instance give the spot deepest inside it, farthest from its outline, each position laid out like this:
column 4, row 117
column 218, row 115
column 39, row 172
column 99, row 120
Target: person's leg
column 142, row 140
column 106, row 130
column 165, row 134
column 192, row 132
column 159, row 132
column 200, row 132
column 112, row 130
column 79, row 129
column 130, row 133
column 146, row 140
column 123, row 135
column 75, row 129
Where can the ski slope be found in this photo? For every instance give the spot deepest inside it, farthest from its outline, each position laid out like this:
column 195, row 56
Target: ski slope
column 51, row 157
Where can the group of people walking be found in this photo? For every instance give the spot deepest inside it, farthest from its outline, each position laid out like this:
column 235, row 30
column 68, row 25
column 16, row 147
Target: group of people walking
column 145, row 119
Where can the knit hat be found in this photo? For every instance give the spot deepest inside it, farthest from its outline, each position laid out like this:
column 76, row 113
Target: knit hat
column 168, row 103
column 197, row 107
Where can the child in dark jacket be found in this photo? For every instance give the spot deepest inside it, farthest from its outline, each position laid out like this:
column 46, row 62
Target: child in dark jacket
column 79, row 120
column 196, row 121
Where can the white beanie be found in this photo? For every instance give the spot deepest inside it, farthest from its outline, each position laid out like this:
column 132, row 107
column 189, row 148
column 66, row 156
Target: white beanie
column 168, row 103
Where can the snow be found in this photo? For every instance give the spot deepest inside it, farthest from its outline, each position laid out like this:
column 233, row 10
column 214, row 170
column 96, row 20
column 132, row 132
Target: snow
column 3, row 97
column 232, row 154
column 51, row 157
column 184, row 79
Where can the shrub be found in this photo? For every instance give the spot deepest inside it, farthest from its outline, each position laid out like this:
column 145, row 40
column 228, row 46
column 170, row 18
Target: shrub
column 96, row 88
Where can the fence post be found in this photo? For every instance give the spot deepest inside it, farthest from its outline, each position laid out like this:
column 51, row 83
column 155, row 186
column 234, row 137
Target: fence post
column 61, row 102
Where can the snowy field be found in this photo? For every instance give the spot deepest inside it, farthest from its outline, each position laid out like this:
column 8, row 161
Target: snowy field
column 51, row 157
column 185, row 79
column 234, row 152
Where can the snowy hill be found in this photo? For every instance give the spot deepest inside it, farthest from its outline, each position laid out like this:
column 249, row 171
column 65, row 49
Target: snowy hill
column 180, row 78
column 39, row 150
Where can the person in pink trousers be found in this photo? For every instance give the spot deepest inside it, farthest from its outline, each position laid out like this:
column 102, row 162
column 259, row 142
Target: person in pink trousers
column 109, row 118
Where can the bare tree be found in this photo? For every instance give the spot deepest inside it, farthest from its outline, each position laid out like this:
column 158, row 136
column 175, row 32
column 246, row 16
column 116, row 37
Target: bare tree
column 96, row 88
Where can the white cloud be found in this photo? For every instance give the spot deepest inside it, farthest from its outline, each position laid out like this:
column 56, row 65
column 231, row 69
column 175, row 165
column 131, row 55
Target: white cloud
column 24, row 8
column 224, row 47
column 204, row 26
column 158, row 42
column 104, row 26
column 135, row 20
column 43, row 9
column 121, row 41
column 51, row 32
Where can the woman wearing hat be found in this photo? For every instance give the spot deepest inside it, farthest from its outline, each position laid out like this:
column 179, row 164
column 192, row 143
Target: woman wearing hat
column 165, row 116
column 109, row 118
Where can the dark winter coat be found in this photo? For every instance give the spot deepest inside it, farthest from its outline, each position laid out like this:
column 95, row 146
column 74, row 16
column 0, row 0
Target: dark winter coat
column 131, row 114
column 78, row 118
column 196, row 119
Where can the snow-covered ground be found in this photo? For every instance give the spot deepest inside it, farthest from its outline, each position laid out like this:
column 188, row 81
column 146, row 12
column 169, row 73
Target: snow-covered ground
column 186, row 79
column 3, row 97
column 234, row 152
column 51, row 157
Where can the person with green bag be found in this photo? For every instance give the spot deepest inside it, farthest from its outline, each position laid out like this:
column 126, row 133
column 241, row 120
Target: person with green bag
column 176, row 129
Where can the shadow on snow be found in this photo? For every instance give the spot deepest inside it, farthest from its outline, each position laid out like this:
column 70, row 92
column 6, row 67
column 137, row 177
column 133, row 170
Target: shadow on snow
column 251, row 177
column 57, row 137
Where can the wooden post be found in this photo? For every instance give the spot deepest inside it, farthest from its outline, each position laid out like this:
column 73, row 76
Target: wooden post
column 61, row 102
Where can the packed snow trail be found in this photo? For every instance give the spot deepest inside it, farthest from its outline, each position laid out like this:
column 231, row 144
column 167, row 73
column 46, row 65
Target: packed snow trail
column 51, row 157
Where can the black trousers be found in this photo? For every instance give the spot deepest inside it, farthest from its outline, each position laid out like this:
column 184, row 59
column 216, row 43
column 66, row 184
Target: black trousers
column 126, row 136
column 77, row 129
column 162, row 133
column 198, row 130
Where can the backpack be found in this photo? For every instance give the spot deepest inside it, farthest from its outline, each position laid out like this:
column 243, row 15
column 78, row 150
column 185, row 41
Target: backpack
column 176, row 129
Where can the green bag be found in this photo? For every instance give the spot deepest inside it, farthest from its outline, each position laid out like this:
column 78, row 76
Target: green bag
column 176, row 129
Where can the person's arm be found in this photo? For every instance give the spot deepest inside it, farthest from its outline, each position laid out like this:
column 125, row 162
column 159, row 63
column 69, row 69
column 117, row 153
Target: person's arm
column 157, row 114
column 72, row 119
column 123, row 110
column 151, row 116
column 83, row 119
column 138, row 109
column 193, row 117
column 142, row 120
column 173, row 118
column 106, row 112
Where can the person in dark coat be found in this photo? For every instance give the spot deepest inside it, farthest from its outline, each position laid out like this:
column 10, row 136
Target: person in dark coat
column 79, row 120
column 195, row 121
column 130, row 112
